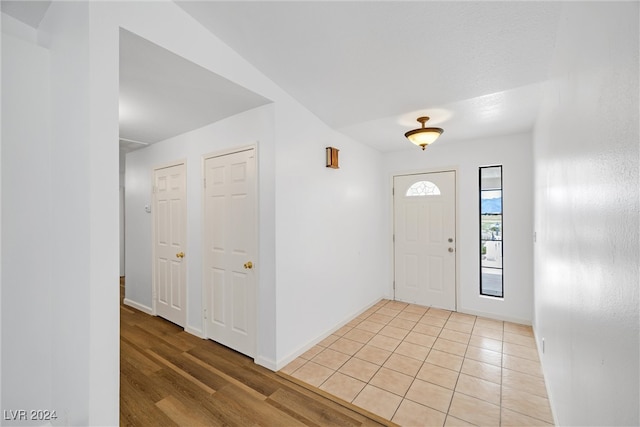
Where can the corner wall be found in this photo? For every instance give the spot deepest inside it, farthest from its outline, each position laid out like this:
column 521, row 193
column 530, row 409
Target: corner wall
column 60, row 223
column 84, row 190
column 251, row 127
column 26, row 168
column 586, row 217
column 330, row 245
column 513, row 152
column 323, row 222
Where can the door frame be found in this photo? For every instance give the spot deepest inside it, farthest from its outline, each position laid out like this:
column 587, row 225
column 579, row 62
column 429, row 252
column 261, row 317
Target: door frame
column 256, row 241
column 455, row 170
column 154, row 283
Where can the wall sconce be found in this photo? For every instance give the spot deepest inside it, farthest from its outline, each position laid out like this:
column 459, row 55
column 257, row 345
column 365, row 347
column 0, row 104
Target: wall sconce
column 332, row 157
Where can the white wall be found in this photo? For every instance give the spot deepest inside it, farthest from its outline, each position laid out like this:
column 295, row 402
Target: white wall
column 67, row 28
column 326, row 235
column 328, row 228
column 84, row 188
column 330, row 249
column 59, row 214
column 586, row 275
column 248, row 128
column 586, row 218
column 26, row 223
column 513, row 152
column 327, row 252
column 164, row 24
column 122, row 160
column 17, row 29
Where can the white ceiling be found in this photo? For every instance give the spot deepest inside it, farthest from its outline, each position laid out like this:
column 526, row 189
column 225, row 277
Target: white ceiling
column 163, row 95
column 369, row 69
column 366, row 68
column 29, row 12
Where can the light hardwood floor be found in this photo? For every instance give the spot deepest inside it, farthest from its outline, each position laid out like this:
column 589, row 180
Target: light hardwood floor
column 171, row 378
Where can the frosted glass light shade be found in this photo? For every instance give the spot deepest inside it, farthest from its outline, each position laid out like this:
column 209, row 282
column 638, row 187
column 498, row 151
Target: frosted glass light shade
column 423, row 136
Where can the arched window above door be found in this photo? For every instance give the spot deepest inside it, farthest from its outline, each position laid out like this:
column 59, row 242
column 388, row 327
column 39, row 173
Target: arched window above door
column 423, row 188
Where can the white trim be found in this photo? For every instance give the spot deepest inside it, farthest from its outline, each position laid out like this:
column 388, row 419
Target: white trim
column 154, row 290
column 495, row 316
column 134, row 141
column 143, row 308
column 171, row 164
column 228, row 151
column 554, row 413
column 281, row 363
column 267, row 363
column 255, row 249
column 203, row 293
column 193, row 331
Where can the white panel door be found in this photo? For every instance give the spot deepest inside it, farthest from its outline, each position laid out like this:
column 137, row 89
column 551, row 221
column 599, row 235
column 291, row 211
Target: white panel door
column 230, row 247
column 169, row 233
column 424, row 239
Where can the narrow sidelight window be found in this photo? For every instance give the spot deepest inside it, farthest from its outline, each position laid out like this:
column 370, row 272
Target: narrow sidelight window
column 491, row 283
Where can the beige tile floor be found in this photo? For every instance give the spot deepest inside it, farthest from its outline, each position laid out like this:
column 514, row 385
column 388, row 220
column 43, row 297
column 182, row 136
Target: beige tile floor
column 418, row 366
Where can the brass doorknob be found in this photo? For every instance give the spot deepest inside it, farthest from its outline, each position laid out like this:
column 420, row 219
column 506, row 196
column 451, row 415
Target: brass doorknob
column 180, row 255
column 248, row 265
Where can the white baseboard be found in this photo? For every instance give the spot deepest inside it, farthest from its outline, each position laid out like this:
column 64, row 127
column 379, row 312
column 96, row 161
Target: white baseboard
column 538, row 341
column 138, row 306
column 495, row 316
column 267, row 363
column 281, row 363
column 193, row 331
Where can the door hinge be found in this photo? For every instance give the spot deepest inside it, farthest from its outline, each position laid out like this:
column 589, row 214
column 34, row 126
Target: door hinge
column 394, row 238
column 205, row 182
column 205, row 314
column 154, row 189
column 394, row 285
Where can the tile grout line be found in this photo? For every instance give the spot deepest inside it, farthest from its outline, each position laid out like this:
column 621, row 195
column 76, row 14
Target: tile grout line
column 354, row 356
column 459, row 373
column 380, row 367
column 453, row 391
column 423, row 361
column 416, row 375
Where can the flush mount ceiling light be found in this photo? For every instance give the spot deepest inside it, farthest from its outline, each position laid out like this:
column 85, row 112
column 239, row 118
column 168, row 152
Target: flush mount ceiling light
column 423, row 136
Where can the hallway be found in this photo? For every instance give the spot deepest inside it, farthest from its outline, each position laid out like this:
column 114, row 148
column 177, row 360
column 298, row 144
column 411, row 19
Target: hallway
column 169, row 377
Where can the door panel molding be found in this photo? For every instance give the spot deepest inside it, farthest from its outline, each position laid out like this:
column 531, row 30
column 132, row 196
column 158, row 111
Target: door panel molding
column 169, row 238
column 424, row 219
column 230, row 247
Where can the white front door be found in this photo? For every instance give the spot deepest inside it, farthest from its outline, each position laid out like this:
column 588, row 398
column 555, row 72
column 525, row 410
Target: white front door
column 169, row 233
column 424, row 239
column 230, row 243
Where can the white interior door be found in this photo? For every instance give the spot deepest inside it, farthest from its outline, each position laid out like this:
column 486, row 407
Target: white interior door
column 169, row 233
column 424, row 239
column 230, row 248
